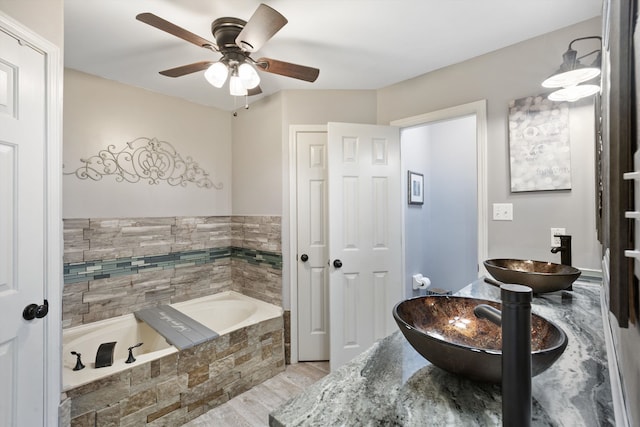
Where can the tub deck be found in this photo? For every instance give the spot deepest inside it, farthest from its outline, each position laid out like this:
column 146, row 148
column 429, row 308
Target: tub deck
column 176, row 327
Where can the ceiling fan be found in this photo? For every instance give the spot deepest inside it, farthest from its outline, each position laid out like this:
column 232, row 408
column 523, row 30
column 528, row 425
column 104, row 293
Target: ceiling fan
column 236, row 40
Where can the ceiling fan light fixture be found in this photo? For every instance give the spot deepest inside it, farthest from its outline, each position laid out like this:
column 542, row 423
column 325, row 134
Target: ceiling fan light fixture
column 217, row 74
column 235, row 39
column 236, row 88
column 248, row 75
column 574, row 93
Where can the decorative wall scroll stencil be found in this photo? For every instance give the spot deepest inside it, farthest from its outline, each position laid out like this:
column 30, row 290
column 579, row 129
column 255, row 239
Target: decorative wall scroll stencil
column 539, row 146
column 145, row 159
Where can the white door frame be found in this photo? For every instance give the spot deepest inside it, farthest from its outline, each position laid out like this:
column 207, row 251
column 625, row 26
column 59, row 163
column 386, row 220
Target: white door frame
column 53, row 210
column 479, row 109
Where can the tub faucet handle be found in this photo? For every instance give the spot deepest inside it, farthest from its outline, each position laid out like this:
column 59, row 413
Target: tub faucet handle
column 132, row 359
column 79, row 364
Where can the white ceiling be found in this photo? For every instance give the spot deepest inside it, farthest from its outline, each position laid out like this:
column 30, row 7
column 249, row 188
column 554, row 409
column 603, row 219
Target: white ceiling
column 356, row 44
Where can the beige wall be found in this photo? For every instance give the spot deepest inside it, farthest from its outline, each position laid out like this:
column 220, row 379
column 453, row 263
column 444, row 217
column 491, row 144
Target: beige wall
column 261, row 141
column 100, row 112
column 257, row 158
column 312, row 107
column 44, row 17
column 499, row 77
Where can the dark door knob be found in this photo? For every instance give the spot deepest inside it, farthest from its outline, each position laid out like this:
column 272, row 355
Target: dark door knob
column 42, row 310
column 304, row 257
column 337, row 263
column 33, row 311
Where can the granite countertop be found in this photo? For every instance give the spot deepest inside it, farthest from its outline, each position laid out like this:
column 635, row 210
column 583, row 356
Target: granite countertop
column 391, row 384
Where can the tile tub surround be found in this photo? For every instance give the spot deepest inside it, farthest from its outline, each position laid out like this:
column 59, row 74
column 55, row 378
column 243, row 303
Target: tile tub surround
column 391, row 384
column 117, row 266
column 179, row 387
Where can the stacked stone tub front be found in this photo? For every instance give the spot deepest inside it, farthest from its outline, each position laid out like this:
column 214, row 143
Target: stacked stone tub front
column 166, row 386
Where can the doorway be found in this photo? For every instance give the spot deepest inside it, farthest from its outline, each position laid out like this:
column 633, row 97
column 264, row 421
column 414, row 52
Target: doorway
column 476, row 109
column 441, row 231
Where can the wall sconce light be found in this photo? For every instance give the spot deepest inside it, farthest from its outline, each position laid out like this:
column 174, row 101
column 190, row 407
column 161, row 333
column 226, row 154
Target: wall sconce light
column 572, row 73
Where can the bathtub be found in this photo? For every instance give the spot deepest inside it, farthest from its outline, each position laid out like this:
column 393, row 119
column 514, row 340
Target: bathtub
column 224, row 312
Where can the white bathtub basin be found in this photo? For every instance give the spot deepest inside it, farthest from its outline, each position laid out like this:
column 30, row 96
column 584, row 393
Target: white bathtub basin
column 125, row 330
column 227, row 311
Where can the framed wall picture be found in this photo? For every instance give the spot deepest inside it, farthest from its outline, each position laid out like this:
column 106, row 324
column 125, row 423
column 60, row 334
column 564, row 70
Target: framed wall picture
column 539, row 146
column 416, row 188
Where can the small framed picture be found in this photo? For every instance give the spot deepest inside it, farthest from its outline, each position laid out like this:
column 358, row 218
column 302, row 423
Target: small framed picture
column 416, row 188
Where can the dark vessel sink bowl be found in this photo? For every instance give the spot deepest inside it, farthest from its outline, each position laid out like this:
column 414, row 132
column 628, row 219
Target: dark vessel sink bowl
column 444, row 330
column 538, row 275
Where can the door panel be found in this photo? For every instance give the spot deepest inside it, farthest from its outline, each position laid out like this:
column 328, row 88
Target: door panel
column 7, row 192
column 381, row 292
column 22, row 219
column 318, row 309
column 365, row 214
column 351, row 288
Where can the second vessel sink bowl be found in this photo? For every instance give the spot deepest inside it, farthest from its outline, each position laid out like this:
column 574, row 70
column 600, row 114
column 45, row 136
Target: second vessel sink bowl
column 540, row 276
column 444, row 330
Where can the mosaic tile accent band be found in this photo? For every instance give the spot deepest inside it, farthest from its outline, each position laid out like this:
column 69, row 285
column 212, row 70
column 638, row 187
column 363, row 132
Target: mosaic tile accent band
column 75, row 272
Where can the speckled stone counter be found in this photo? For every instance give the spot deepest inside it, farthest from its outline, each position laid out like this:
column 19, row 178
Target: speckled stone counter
column 391, row 384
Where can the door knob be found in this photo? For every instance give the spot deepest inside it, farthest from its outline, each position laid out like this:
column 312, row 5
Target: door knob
column 33, row 311
column 337, row 263
column 304, row 257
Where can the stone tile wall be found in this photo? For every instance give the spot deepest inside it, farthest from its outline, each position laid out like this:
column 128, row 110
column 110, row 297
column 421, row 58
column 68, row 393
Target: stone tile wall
column 177, row 388
column 256, row 262
column 117, row 266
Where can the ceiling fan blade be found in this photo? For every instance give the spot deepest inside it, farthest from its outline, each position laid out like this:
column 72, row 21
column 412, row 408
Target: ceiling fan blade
column 255, row 91
column 164, row 25
column 262, row 25
column 186, row 69
column 288, row 69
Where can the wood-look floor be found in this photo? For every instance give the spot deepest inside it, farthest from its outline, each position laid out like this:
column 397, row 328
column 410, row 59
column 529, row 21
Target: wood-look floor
column 252, row 408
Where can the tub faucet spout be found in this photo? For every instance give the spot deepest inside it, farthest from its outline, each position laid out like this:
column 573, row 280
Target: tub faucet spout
column 515, row 320
column 104, row 356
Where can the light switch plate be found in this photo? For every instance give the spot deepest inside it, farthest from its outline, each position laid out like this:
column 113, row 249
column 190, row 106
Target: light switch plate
column 503, row 211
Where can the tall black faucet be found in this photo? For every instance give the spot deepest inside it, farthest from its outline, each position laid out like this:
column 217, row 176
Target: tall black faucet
column 565, row 251
column 515, row 320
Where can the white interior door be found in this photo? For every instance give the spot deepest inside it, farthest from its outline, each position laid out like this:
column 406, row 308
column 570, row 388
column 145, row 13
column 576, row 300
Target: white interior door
column 365, row 247
column 22, row 232
column 312, row 246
